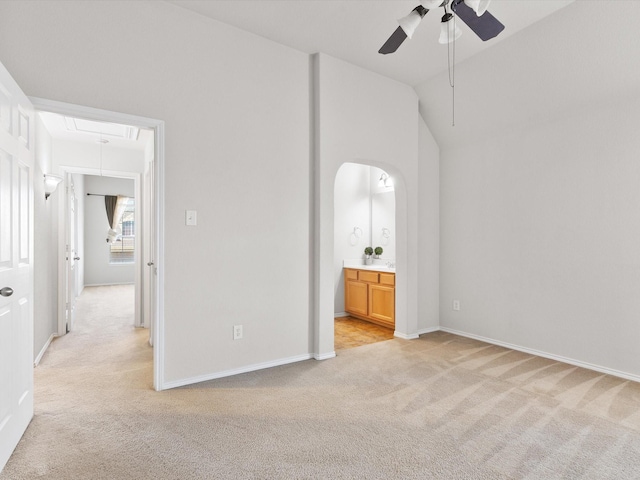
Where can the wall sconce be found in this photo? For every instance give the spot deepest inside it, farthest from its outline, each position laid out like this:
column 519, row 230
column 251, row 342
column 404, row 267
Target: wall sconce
column 50, row 184
column 385, row 181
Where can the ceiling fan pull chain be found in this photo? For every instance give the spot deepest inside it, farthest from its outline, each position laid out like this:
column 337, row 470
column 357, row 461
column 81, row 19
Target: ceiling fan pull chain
column 451, row 64
column 453, row 87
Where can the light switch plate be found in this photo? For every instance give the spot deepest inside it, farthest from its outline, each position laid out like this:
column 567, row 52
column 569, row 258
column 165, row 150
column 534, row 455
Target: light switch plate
column 191, row 218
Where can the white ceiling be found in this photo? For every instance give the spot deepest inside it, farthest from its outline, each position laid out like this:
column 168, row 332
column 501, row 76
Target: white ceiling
column 571, row 64
column 354, row 30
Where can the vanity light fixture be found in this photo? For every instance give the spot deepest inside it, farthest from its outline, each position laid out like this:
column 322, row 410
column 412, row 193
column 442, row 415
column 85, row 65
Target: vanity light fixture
column 50, row 184
column 385, row 181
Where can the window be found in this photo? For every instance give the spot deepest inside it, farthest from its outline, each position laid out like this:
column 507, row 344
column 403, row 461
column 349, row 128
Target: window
column 122, row 250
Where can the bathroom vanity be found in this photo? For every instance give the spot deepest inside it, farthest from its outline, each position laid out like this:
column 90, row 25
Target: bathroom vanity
column 370, row 294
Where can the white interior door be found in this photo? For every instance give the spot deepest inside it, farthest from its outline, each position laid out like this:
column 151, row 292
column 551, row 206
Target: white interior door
column 16, row 264
column 71, row 252
column 149, row 229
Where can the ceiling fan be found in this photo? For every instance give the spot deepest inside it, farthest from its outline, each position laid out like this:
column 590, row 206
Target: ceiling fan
column 472, row 12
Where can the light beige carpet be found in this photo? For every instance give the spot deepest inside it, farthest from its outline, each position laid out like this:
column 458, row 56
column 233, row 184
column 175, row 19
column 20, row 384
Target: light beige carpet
column 441, row 407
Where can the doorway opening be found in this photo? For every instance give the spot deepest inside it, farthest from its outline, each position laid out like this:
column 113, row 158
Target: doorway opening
column 364, row 256
column 96, row 149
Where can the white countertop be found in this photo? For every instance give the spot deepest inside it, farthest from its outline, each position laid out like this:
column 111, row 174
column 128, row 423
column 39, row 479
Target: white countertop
column 361, row 266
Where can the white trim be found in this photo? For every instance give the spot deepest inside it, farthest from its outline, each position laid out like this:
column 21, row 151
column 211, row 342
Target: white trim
column 324, row 356
column 158, row 327
column 428, row 330
column 340, row 314
column 159, row 154
column 236, row 371
column 36, row 362
column 550, row 356
column 108, row 284
column 405, row 336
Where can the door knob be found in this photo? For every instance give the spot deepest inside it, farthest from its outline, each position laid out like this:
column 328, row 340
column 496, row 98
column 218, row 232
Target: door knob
column 6, row 292
column 76, row 258
column 150, row 264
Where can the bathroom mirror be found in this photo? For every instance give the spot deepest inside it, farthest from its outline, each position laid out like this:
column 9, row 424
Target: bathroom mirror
column 364, row 213
column 383, row 223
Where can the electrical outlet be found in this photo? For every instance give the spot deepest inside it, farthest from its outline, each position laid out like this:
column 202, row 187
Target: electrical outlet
column 237, row 332
column 456, row 305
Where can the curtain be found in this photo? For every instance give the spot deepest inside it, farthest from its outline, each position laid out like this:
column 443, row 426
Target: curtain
column 115, row 205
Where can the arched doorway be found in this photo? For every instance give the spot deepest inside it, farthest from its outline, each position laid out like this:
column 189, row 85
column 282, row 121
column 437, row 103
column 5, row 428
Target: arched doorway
column 364, row 217
column 406, row 291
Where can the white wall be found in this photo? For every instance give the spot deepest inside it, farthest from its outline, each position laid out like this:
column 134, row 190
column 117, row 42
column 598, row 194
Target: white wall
column 236, row 110
column 428, row 257
column 539, row 189
column 97, row 269
column 366, row 118
column 541, row 235
column 45, row 232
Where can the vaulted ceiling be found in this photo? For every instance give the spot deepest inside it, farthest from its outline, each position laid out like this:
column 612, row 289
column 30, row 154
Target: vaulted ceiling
column 354, row 30
column 554, row 58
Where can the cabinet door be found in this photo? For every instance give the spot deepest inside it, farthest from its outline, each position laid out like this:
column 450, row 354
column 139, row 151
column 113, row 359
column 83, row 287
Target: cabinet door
column 355, row 297
column 382, row 303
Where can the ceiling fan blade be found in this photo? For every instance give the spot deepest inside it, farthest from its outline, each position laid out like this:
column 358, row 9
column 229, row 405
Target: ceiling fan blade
column 407, row 26
column 394, row 41
column 485, row 26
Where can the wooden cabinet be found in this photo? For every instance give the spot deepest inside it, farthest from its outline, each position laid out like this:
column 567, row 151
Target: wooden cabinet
column 356, row 297
column 370, row 295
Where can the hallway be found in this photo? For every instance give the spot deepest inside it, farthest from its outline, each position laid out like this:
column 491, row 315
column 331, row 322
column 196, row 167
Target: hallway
column 79, row 388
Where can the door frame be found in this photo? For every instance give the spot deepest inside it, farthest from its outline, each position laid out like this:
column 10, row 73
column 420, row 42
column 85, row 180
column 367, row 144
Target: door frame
column 63, row 241
column 90, row 113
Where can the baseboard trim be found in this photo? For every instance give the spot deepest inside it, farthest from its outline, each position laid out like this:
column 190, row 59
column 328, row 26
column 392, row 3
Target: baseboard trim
column 36, row 362
column 550, row 356
column 324, row 356
column 107, row 284
column 404, row 336
column 235, row 371
column 340, row 314
column 428, row 330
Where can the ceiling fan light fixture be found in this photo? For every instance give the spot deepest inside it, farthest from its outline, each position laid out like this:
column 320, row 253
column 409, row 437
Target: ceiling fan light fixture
column 411, row 21
column 431, row 4
column 449, row 31
column 478, row 6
